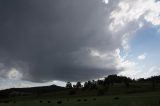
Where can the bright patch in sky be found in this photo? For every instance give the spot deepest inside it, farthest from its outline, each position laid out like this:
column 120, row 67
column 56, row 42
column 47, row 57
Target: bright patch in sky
column 142, row 56
column 137, row 11
column 14, row 74
column 106, row 1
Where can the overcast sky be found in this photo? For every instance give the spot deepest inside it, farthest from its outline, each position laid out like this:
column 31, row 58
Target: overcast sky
column 46, row 42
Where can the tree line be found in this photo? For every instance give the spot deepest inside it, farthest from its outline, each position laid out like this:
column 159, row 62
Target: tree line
column 110, row 80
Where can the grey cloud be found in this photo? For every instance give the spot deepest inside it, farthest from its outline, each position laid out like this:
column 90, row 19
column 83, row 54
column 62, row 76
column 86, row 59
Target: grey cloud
column 44, row 38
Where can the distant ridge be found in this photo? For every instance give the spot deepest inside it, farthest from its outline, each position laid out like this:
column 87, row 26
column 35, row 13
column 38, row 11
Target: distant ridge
column 28, row 91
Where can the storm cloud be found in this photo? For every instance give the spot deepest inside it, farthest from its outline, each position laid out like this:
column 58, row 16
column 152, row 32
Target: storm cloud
column 66, row 40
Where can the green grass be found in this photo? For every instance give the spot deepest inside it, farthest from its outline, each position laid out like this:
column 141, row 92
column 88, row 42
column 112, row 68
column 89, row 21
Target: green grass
column 138, row 99
column 139, row 94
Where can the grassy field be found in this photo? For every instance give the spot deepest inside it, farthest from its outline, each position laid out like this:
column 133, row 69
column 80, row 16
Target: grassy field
column 139, row 99
column 117, row 95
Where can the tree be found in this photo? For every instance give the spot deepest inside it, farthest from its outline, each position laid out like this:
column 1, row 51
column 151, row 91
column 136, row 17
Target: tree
column 78, row 85
column 100, row 82
column 94, row 84
column 85, row 85
column 74, row 86
column 88, row 85
column 68, row 85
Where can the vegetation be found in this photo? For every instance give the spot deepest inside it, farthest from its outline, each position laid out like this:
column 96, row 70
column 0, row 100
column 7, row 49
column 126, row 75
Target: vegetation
column 114, row 79
column 112, row 91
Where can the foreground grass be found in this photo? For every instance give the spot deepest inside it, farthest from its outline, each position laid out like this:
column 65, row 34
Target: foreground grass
column 138, row 99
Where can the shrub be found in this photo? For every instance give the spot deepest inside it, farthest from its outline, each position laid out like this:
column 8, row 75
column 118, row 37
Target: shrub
column 59, row 102
column 79, row 100
column 85, row 99
column 116, row 98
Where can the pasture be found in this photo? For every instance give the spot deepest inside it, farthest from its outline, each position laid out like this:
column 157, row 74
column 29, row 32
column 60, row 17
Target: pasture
column 138, row 99
column 138, row 94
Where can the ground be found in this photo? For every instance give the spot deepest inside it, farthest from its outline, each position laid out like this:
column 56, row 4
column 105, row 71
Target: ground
column 114, row 96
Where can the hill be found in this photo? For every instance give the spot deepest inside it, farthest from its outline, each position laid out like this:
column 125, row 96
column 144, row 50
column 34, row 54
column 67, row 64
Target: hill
column 29, row 91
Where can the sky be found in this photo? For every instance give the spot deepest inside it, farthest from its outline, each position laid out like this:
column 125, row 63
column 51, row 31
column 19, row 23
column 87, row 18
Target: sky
column 55, row 41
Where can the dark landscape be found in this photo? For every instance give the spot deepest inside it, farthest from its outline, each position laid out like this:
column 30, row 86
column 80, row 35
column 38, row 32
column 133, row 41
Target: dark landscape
column 112, row 91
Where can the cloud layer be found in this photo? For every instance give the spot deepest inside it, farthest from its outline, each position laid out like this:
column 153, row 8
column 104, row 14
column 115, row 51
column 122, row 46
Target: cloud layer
column 46, row 40
column 68, row 40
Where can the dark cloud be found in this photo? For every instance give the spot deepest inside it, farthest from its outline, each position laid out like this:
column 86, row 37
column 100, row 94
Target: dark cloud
column 53, row 39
